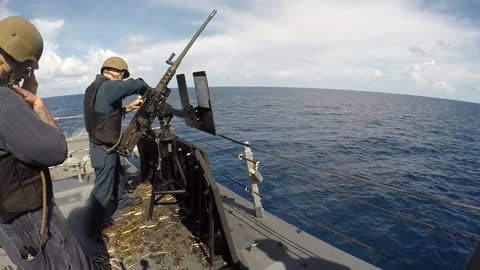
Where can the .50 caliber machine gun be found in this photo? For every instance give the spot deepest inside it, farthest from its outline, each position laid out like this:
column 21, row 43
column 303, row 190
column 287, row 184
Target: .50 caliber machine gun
column 154, row 104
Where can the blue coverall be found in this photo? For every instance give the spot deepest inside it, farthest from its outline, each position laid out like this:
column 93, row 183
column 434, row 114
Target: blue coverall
column 110, row 189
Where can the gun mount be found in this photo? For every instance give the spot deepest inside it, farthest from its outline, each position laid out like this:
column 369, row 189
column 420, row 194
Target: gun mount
column 154, row 101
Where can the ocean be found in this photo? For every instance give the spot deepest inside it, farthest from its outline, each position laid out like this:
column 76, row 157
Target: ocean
column 421, row 144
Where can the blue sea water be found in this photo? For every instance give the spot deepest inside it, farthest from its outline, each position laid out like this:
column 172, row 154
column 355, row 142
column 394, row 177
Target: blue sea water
column 421, row 144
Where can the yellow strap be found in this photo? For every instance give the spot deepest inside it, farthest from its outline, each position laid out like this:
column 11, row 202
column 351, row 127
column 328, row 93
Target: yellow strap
column 44, row 207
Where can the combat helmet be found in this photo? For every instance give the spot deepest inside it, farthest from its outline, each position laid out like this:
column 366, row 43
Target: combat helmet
column 116, row 63
column 20, row 39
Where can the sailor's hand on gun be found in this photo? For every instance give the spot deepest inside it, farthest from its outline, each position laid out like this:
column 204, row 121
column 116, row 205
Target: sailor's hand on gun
column 134, row 105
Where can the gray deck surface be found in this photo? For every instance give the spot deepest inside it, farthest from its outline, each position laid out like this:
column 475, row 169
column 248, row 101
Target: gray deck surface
column 276, row 243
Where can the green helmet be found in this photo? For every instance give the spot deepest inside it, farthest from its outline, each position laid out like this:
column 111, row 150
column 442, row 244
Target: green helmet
column 116, row 63
column 20, row 39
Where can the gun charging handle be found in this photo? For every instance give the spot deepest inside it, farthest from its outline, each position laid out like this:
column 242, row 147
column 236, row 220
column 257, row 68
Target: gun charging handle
column 169, row 60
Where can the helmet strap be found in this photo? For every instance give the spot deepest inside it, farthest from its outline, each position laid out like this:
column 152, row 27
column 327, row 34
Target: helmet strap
column 12, row 81
column 8, row 75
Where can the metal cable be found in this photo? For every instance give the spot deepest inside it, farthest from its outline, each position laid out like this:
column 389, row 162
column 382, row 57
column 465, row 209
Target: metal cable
column 318, row 224
column 364, row 180
column 68, row 117
column 364, row 202
column 352, row 198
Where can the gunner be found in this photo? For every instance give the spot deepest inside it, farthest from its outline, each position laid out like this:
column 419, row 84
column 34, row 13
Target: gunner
column 103, row 111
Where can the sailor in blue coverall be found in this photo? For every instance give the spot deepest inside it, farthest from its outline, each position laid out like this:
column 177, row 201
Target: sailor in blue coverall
column 103, row 119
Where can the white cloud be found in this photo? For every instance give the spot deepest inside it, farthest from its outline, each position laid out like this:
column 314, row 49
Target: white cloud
column 303, row 43
column 422, row 71
column 378, row 73
column 4, row 12
column 48, row 28
column 59, row 75
column 444, row 86
column 291, row 44
column 134, row 41
column 69, row 75
column 443, row 45
column 192, row 4
column 417, row 51
column 141, row 69
column 430, row 62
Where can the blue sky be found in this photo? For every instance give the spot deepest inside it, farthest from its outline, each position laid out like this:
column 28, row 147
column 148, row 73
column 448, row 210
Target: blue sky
column 417, row 47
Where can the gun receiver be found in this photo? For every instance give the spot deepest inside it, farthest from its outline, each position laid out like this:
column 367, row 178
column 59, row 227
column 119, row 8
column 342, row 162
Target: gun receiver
column 155, row 103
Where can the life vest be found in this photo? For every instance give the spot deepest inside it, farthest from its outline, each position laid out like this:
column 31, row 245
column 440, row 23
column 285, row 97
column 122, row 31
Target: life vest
column 20, row 188
column 103, row 128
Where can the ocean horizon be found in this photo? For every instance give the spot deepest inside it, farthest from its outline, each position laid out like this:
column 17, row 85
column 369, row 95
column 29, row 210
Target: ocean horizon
column 304, row 88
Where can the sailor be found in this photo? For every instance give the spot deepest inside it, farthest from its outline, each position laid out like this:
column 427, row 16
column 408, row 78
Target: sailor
column 33, row 231
column 103, row 111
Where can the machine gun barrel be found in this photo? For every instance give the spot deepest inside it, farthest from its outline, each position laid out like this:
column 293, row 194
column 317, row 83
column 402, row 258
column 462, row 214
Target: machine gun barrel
column 155, row 102
column 173, row 66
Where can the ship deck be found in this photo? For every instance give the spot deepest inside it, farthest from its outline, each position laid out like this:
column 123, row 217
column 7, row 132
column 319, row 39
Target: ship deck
column 165, row 243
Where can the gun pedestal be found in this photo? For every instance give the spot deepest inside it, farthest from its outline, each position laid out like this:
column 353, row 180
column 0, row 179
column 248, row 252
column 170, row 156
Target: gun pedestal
column 181, row 169
column 168, row 178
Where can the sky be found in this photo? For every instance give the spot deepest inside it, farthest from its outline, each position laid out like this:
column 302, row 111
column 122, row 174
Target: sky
column 416, row 47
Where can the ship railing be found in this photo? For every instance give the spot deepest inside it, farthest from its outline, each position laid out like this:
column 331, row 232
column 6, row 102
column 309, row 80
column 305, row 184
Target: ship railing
column 255, row 177
column 77, row 161
column 77, row 164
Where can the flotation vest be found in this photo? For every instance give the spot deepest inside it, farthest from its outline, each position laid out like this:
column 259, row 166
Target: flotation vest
column 103, row 128
column 20, row 188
